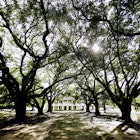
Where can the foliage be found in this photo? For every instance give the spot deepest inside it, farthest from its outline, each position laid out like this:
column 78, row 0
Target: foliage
column 48, row 46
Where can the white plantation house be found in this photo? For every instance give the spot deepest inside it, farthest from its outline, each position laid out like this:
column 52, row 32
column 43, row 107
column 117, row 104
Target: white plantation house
column 68, row 104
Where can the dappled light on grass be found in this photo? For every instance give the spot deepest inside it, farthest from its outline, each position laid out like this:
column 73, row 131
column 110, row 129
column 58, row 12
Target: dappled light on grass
column 36, row 129
column 114, row 126
column 71, row 127
column 126, row 130
column 5, row 114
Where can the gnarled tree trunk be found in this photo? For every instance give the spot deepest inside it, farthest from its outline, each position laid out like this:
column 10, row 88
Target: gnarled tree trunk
column 125, row 109
column 20, row 108
column 40, row 111
column 97, row 112
column 87, row 107
column 49, row 106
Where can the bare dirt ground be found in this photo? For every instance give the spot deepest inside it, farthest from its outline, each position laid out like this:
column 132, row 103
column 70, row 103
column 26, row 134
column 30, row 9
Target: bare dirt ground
column 70, row 126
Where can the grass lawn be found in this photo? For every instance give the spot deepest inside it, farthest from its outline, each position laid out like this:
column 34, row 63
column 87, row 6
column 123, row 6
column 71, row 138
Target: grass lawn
column 67, row 126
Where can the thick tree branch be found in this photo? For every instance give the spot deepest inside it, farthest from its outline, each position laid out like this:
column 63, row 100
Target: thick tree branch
column 47, row 28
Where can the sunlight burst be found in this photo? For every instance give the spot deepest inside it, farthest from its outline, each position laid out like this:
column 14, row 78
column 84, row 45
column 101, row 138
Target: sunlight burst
column 95, row 48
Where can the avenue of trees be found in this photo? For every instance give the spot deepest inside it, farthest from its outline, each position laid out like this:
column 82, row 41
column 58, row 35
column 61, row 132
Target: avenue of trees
column 48, row 45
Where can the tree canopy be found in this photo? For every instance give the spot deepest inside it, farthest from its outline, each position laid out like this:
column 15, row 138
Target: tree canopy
column 48, row 45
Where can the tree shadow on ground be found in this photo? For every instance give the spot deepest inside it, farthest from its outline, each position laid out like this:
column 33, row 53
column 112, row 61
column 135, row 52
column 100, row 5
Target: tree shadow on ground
column 4, row 132
column 9, row 127
column 109, row 117
column 32, row 119
column 119, row 129
column 133, row 124
column 71, row 127
column 36, row 127
column 127, row 131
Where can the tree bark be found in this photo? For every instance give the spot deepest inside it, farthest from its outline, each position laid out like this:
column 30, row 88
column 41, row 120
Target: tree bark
column 49, row 106
column 87, row 107
column 20, row 108
column 40, row 111
column 97, row 112
column 104, row 106
column 126, row 110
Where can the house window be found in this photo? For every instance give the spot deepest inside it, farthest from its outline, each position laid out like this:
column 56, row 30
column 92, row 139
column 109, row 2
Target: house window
column 65, row 108
column 69, row 107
